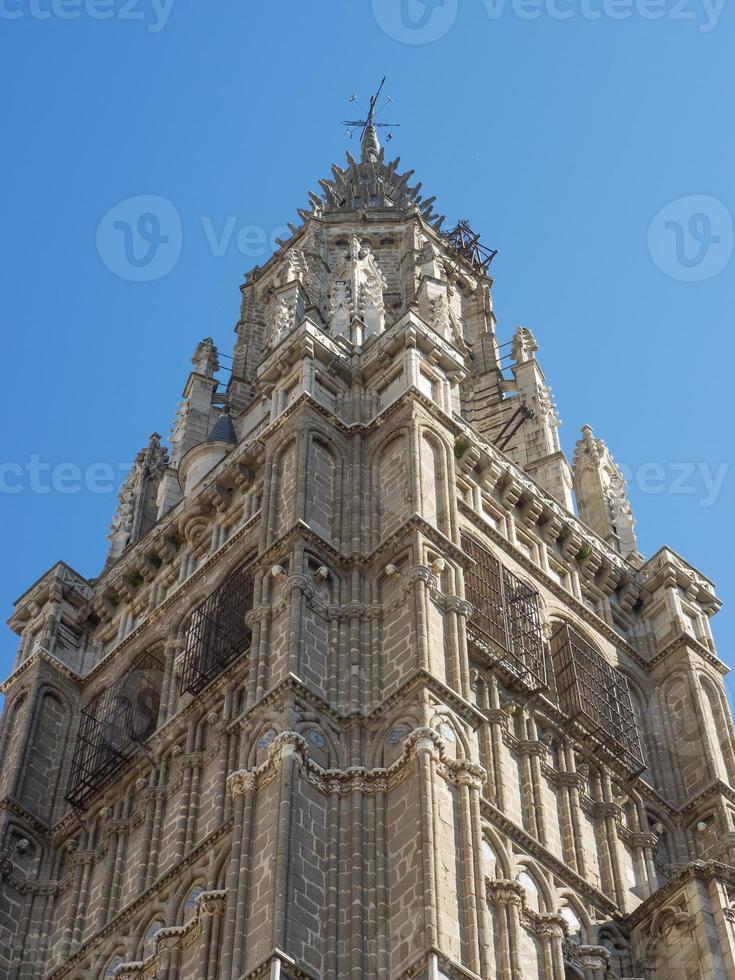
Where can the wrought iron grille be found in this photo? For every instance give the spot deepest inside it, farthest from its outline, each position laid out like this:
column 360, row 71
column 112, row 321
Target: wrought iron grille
column 505, row 619
column 114, row 726
column 595, row 694
column 217, row 632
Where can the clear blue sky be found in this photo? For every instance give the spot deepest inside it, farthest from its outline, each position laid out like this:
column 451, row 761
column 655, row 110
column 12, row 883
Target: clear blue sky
column 560, row 129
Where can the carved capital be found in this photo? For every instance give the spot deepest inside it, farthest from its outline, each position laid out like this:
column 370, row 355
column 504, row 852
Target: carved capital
column 241, row 782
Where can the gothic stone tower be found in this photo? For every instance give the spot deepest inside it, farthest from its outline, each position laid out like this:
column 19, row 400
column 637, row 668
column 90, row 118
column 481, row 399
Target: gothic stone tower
column 357, row 695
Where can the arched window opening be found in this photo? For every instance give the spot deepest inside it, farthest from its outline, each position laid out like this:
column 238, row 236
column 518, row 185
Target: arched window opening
column 531, row 889
column 114, row 963
column 191, row 901
column 149, row 941
column 572, row 920
column 489, row 860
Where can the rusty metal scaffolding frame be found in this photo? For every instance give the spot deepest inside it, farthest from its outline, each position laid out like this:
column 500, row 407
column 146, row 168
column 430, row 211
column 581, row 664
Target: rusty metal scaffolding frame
column 466, row 243
column 505, row 621
column 595, row 694
column 114, row 727
column 217, row 632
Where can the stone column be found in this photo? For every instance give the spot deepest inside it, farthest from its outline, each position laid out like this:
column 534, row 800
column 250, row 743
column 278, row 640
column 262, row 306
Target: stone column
column 508, row 900
column 148, row 801
column 242, row 787
column 498, row 721
column 168, row 686
column 551, row 933
column 332, row 909
column 103, row 905
column 287, row 745
column 471, row 911
column 425, row 754
column 536, row 751
column 608, row 812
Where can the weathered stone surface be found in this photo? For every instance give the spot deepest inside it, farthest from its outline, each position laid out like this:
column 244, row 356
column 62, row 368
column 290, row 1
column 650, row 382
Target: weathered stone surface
column 359, row 778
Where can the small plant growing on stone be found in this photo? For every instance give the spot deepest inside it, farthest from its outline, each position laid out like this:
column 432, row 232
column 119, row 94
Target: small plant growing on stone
column 461, row 446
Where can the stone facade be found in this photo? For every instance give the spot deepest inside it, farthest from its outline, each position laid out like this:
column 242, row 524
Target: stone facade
column 357, row 695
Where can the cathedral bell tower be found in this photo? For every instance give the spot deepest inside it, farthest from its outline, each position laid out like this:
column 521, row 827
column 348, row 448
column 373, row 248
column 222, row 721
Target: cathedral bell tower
column 357, row 694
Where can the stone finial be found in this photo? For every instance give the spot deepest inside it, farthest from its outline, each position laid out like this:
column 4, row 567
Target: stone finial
column 602, row 495
column 135, row 511
column 370, row 145
column 205, row 358
column 524, row 345
column 295, row 266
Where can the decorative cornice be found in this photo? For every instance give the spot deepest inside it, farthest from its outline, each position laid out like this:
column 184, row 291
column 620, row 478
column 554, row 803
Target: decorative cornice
column 596, row 897
column 449, row 967
column 695, row 871
column 40, row 655
column 689, row 642
column 264, row 970
column 356, row 778
column 117, row 925
column 175, row 937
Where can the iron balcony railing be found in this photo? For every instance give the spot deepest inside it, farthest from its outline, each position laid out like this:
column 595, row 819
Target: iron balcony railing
column 217, row 632
column 114, row 726
column 505, row 621
column 595, row 694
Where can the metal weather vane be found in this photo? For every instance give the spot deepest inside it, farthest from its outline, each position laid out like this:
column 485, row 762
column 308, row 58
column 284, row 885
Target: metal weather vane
column 370, row 113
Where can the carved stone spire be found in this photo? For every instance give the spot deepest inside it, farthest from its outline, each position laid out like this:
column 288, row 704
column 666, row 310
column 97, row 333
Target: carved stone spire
column 537, row 447
column 205, row 358
column 357, row 309
column 195, row 416
column 370, row 145
column 136, row 509
column 601, row 491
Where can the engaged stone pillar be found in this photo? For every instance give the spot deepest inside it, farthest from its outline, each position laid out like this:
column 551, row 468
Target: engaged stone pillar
column 242, row 788
column 508, row 901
